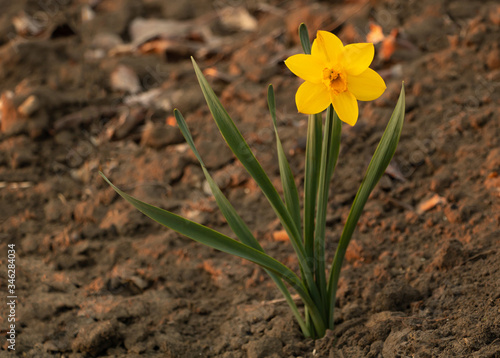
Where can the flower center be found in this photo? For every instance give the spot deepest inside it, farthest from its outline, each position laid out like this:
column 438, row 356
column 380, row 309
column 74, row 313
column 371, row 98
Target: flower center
column 334, row 80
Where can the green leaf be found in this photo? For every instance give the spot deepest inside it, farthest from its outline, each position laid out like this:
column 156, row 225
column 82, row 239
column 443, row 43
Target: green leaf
column 236, row 222
column 311, row 180
column 218, row 241
column 287, row 180
column 329, row 155
column 333, row 153
column 304, row 39
column 378, row 164
column 242, row 151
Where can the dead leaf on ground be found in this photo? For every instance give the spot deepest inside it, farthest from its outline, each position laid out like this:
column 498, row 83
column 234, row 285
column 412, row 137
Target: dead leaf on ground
column 428, row 204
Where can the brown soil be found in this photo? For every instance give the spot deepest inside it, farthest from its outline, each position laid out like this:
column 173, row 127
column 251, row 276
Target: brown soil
column 85, row 86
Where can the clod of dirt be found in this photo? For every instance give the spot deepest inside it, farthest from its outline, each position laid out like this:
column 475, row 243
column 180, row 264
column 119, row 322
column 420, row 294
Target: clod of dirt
column 395, row 296
column 266, row 347
column 492, row 162
column 381, row 324
column 55, row 210
column 450, row 255
column 214, row 151
column 96, row 337
column 395, row 340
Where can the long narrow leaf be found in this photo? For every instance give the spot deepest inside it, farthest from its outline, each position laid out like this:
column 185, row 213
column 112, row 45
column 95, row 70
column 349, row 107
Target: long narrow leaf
column 236, row 222
column 242, row 151
column 311, row 178
column 287, row 180
column 313, row 152
column 378, row 164
column 329, row 156
column 304, row 39
column 319, row 230
column 218, row 241
column 333, row 153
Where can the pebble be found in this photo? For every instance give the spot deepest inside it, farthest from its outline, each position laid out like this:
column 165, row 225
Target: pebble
column 159, row 135
column 124, row 79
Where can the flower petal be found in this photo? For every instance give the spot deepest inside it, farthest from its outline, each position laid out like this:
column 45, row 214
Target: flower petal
column 367, row 86
column 307, row 67
column 346, row 106
column 312, row 98
column 357, row 57
column 327, row 46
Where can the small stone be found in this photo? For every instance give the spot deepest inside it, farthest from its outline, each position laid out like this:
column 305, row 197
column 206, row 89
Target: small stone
column 124, row 79
column 158, row 135
column 106, row 41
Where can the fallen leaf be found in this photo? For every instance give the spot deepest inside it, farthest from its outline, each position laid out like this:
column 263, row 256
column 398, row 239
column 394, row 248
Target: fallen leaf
column 428, row 204
column 280, row 235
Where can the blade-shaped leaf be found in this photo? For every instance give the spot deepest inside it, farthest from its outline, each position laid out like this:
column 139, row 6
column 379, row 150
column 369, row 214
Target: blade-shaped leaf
column 378, row 164
column 236, row 222
column 242, row 151
column 331, row 134
column 304, row 38
column 218, row 241
column 209, row 237
column 311, row 180
column 287, row 180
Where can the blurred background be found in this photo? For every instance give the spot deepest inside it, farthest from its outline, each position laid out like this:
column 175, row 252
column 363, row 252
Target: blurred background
column 91, row 84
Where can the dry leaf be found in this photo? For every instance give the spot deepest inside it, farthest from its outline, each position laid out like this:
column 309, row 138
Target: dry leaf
column 280, row 235
column 431, row 203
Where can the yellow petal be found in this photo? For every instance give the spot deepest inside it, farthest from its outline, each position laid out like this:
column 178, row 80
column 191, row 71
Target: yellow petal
column 327, row 47
column 357, row 57
column 312, row 98
column 346, row 106
column 307, row 67
column 367, row 86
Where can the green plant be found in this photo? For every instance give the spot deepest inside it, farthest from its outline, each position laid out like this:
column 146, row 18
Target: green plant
column 306, row 230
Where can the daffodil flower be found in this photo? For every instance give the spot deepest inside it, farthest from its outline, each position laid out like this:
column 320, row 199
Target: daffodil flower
column 335, row 74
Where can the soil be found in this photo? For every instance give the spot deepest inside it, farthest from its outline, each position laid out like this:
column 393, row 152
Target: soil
column 91, row 84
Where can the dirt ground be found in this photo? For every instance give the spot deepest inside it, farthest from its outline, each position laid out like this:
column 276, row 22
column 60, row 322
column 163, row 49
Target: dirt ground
column 90, row 84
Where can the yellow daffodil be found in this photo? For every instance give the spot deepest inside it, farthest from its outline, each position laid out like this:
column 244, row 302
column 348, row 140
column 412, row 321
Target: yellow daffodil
column 335, row 74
